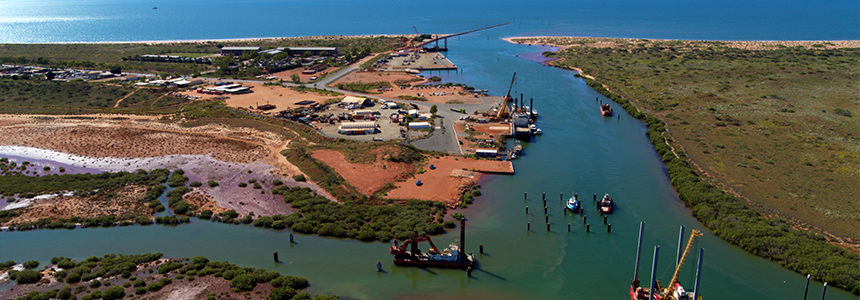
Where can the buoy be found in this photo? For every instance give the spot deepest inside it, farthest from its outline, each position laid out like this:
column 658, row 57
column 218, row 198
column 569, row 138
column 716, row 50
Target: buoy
column 378, row 266
column 291, row 237
column 276, row 256
column 481, row 249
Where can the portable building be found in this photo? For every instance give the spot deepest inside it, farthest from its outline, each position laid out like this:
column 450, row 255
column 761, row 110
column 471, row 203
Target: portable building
column 487, row 152
column 419, row 125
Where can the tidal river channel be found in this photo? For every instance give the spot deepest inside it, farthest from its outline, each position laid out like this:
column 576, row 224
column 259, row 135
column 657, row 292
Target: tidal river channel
column 579, row 151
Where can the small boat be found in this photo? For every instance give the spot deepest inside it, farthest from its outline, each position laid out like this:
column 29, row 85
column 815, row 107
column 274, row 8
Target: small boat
column 534, row 130
column 573, row 203
column 155, row 7
column 605, row 205
column 606, row 110
column 534, row 112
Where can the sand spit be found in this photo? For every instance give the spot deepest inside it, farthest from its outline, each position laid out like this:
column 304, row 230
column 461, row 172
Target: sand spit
column 569, row 41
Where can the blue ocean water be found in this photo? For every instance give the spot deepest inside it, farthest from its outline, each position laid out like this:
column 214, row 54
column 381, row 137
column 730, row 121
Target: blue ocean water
column 50, row 21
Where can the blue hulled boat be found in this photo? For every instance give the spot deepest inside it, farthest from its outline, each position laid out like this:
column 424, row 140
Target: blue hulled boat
column 573, row 203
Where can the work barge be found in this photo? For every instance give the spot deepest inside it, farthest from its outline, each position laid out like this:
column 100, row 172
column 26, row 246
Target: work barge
column 513, row 111
column 674, row 290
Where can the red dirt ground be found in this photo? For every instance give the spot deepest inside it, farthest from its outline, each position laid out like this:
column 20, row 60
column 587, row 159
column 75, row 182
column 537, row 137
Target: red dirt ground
column 447, row 182
column 367, row 178
column 368, row 77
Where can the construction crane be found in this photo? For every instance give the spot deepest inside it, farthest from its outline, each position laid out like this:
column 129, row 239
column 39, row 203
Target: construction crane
column 416, row 30
column 671, row 289
column 503, row 109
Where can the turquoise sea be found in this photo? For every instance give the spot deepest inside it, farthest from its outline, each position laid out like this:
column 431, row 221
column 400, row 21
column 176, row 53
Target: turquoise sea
column 579, row 150
column 49, row 21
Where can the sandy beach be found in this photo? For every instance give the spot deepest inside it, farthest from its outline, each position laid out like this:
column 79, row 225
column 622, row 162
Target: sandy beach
column 568, row 41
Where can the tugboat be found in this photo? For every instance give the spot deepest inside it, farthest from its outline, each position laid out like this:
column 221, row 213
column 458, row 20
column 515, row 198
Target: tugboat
column 452, row 257
column 606, row 110
column 674, row 291
column 605, row 205
column 573, row 203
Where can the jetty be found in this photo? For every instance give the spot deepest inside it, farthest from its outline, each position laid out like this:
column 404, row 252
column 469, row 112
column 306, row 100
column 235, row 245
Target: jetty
column 444, row 38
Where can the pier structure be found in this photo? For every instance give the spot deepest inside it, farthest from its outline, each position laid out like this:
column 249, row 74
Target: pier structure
column 444, row 38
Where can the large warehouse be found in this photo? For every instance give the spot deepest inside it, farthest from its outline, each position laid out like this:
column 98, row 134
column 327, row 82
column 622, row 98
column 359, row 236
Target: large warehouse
column 238, row 51
column 314, row 51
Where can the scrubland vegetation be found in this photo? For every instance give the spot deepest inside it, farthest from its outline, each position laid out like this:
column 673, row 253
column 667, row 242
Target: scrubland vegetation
column 769, row 124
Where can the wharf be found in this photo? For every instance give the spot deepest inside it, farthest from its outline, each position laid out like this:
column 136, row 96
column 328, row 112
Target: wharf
column 416, row 60
column 492, row 167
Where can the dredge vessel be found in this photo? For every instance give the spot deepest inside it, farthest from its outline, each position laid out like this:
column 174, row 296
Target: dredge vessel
column 453, row 257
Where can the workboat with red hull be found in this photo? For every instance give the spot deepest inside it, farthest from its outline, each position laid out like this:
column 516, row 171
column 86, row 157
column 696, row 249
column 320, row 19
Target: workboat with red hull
column 606, row 110
column 605, row 205
column 452, row 257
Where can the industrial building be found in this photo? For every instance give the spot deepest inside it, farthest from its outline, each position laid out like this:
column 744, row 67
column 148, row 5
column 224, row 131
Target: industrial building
column 351, row 102
column 357, row 128
column 314, row 51
column 238, row 51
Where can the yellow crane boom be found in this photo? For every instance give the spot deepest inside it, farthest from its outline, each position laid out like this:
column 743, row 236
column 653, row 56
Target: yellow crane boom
column 671, row 288
column 503, row 109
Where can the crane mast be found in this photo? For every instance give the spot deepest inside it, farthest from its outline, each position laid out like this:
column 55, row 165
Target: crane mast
column 504, row 107
column 671, row 288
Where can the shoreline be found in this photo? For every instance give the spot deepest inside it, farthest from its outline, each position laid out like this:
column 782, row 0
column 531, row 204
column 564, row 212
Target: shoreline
column 204, row 41
column 558, row 41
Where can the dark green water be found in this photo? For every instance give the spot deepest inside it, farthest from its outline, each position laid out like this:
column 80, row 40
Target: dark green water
column 579, row 151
